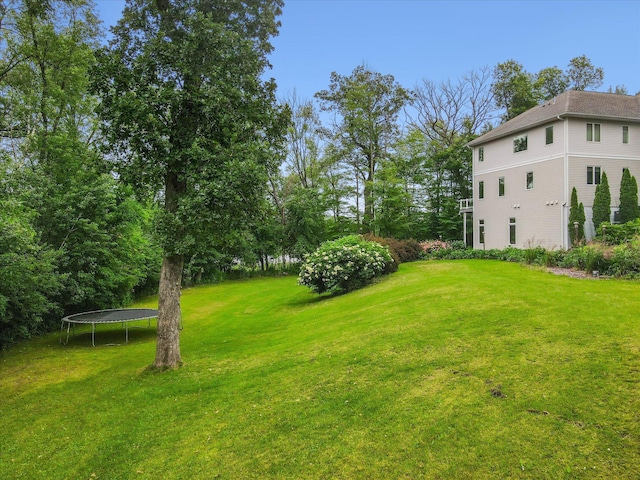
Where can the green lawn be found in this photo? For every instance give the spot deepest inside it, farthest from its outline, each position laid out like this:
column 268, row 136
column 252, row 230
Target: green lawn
column 468, row 369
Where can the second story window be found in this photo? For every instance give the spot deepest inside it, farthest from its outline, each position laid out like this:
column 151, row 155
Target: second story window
column 501, row 187
column 481, row 154
column 519, row 143
column 529, row 180
column 593, row 132
column 593, row 175
column 480, row 189
column 549, row 135
column 625, row 134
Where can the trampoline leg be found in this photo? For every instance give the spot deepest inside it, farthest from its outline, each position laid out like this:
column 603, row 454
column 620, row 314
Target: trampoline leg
column 126, row 329
column 93, row 334
column 62, row 328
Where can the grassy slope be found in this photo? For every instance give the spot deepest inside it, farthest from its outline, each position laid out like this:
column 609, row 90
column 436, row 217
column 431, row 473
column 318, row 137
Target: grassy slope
column 471, row 369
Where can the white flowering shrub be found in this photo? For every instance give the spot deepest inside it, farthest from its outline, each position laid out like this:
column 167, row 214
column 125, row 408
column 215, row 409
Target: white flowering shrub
column 344, row 265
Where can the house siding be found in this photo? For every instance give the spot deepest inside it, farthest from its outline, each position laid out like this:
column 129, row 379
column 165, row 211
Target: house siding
column 541, row 214
column 537, row 211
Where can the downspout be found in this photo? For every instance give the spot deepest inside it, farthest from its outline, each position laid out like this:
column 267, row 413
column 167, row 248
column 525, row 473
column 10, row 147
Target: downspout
column 564, row 216
column 473, row 196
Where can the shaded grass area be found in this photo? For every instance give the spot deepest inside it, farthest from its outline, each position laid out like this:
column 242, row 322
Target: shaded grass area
column 468, row 369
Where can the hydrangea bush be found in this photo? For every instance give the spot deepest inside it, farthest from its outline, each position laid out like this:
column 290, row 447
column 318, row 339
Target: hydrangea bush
column 344, row 265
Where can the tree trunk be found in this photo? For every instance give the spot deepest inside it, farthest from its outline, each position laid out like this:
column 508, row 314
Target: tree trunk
column 168, row 337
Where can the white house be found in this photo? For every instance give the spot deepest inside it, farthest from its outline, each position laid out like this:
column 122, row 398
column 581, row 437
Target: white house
column 524, row 170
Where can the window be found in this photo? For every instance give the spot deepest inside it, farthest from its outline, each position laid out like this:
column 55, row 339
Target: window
column 549, row 135
column 481, row 231
column 593, row 132
column 593, row 175
column 519, row 143
column 501, row 187
column 529, row 180
column 625, row 134
column 480, row 189
column 481, row 154
column 512, row 231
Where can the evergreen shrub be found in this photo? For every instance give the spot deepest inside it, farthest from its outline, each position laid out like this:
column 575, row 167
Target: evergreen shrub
column 344, row 265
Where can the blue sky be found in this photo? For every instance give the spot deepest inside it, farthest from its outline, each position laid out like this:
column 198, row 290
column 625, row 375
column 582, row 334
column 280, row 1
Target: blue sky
column 439, row 40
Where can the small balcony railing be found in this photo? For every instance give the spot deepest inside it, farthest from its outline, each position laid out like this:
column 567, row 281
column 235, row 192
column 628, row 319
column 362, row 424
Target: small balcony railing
column 466, row 205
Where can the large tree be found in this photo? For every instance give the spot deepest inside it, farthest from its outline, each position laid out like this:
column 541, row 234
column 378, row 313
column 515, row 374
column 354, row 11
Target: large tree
column 513, row 89
column 189, row 116
column 447, row 110
column 367, row 104
column 582, row 74
column 516, row 90
column 449, row 115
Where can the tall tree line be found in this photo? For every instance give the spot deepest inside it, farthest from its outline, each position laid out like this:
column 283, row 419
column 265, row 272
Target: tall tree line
column 164, row 157
column 74, row 238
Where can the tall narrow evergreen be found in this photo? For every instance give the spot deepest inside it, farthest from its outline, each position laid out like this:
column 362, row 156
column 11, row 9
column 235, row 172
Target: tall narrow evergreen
column 576, row 215
column 628, row 197
column 602, row 202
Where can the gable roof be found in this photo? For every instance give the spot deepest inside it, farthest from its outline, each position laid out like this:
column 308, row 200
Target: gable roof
column 572, row 103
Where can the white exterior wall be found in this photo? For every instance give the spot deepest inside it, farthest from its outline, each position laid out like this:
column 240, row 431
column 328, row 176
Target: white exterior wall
column 542, row 213
column 537, row 211
column 610, row 154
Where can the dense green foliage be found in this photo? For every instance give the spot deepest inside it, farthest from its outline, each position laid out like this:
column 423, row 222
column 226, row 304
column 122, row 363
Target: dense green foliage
column 617, row 233
column 602, row 202
column 515, row 90
column 613, row 259
column 344, row 265
column 75, row 237
column 170, row 140
column 401, row 250
column 576, row 219
column 628, row 197
column 29, row 278
column 518, row 378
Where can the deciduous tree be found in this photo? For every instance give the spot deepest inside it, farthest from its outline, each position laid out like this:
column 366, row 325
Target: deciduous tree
column 513, row 89
column 368, row 104
column 582, row 74
column 189, row 116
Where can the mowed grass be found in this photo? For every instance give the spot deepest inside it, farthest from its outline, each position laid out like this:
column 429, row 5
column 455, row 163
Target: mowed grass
column 468, row 369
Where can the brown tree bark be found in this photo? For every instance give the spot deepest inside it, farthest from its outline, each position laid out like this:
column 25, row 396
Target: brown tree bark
column 169, row 315
column 168, row 336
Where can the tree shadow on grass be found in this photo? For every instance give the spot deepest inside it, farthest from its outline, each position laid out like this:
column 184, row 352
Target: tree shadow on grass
column 316, row 298
column 109, row 336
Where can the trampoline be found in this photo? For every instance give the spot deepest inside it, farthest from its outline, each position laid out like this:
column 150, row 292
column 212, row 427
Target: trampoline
column 117, row 315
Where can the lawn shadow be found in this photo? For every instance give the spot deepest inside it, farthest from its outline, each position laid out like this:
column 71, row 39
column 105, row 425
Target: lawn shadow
column 316, row 298
column 109, row 336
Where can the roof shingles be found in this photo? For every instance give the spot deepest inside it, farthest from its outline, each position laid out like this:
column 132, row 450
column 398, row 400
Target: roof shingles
column 572, row 103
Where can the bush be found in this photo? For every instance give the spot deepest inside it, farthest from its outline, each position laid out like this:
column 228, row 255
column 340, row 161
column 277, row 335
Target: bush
column 345, row 265
column 534, row 255
column 402, row 251
column 617, row 234
column 431, row 246
column 625, row 260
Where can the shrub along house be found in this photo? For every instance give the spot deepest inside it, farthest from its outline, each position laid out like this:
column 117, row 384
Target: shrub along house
column 524, row 170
